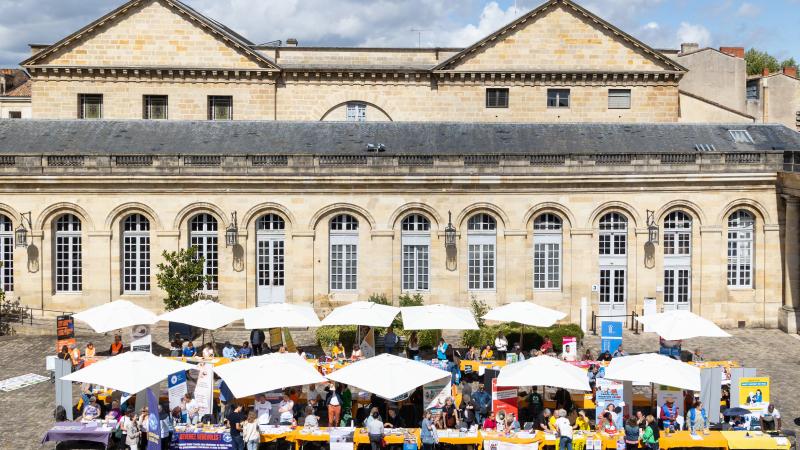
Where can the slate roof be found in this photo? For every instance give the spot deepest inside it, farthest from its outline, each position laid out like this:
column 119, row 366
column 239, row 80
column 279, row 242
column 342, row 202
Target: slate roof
column 399, row 138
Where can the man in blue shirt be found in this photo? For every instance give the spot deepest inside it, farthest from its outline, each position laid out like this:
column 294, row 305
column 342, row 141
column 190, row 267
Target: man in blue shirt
column 484, row 401
column 390, row 341
column 229, row 351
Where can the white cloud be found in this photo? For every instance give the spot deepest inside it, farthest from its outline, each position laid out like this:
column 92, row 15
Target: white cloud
column 492, row 18
column 688, row 32
column 748, row 10
column 624, row 14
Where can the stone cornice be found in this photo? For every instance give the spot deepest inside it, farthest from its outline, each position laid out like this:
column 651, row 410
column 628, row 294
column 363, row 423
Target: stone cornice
column 175, row 73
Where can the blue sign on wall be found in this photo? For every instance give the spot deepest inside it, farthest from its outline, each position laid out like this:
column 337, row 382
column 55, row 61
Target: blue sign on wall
column 611, row 336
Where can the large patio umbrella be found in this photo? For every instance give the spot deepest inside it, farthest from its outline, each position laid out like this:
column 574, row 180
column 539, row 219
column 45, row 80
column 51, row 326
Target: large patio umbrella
column 437, row 317
column 544, row 371
column 525, row 313
column 130, row 372
column 387, row 375
column 362, row 313
column 115, row 315
column 679, row 324
column 281, row 315
column 654, row 368
column 203, row 314
column 266, row 373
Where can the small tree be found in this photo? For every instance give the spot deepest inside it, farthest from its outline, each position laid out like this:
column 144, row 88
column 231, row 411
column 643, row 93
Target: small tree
column 789, row 63
column 757, row 61
column 181, row 277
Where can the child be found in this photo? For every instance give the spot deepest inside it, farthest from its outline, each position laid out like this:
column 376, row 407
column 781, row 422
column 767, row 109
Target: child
column 250, row 433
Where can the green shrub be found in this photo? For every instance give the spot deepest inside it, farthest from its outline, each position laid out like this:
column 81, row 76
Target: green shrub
column 328, row 335
column 534, row 336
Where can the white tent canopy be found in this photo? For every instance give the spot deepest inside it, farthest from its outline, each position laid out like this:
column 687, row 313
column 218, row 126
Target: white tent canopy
column 116, row 315
column 130, row 372
column 525, row 313
column 387, row 375
column 437, row 317
column 654, row 368
column 203, row 314
column 280, row 315
column 362, row 313
column 544, row 371
column 678, row 324
column 266, row 373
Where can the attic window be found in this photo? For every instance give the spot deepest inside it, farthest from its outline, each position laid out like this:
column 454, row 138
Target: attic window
column 741, row 136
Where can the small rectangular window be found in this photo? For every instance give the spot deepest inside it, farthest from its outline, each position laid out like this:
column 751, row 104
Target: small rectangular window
column 90, row 106
column 619, row 99
column 15, row 114
column 741, row 136
column 558, row 98
column 155, row 107
column 220, row 107
column 752, row 91
column 497, row 98
column 356, row 112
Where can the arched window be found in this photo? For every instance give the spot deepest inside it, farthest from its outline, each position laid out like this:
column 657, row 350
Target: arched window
column 677, row 260
column 344, row 253
column 270, row 239
column 68, row 254
column 415, row 238
column 203, row 236
column 741, row 227
column 6, row 254
column 613, row 252
column 136, row 254
column 547, row 252
column 482, row 244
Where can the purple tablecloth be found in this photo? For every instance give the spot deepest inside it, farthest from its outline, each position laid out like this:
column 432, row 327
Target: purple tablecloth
column 76, row 431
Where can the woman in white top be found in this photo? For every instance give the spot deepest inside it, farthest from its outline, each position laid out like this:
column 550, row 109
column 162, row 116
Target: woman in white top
column 501, row 344
column 132, row 432
column 286, row 410
column 250, row 433
column 208, row 351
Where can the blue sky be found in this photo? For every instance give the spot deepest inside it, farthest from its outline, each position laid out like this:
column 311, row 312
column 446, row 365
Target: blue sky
column 771, row 25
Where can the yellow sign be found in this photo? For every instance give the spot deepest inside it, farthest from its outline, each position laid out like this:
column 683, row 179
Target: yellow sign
column 754, row 393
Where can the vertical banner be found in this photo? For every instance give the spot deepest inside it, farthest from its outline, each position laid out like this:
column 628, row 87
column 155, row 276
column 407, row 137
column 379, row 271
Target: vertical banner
column 341, row 438
column 611, row 336
column 609, row 392
column 569, row 348
column 504, row 398
column 754, row 393
column 204, row 389
column 153, row 422
column 435, row 393
column 275, row 337
column 710, row 392
column 63, row 388
column 176, row 388
column 368, row 343
column 650, row 307
column 141, row 339
column 65, row 332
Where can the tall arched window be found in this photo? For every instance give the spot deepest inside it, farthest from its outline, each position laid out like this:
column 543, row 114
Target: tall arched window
column 741, row 227
column 482, row 244
column 415, row 238
column 547, row 252
column 68, row 254
column 344, row 253
column 203, row 236
column 135, row 254
column 6, row 254
column 677, row 260
column 613, row 250
column 270, row 239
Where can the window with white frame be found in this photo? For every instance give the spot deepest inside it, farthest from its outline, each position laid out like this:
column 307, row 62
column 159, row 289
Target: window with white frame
column 204, row 237
column 558, row 98
column 547, row 252
column 677, row 260
column 356, row 112
column 741, row 228
column 481, row 251
column 270, row 238
column 619, row 99
column 68, row 254
column 613, row 234
column 135, row 254
column 678, row 234
column 344, row 253
column 6, row 254
column 415, row 238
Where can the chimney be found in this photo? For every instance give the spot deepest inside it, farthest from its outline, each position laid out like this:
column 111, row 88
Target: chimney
column 291, row 42
column 790, row 72
column 765, row 72
column 736, row 52
column 688, row 47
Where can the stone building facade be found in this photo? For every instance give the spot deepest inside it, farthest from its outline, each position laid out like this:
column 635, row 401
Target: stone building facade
column 551, row 146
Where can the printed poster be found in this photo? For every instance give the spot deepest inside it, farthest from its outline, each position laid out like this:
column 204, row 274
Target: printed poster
column 504, row 398
column 434, row 394
column 205, row 441
column 341, row 438
column 177, row 388
column 204, row 390
column 65, row 332
column 608, row 392
column 611, row 336
column 569, row 348
column 754, row 393
column 368, row 343
column 141, row 339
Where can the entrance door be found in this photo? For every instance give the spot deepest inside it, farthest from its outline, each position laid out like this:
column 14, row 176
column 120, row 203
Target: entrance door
column 676, row 289
column 270, row 270
column 677, row 261
column 612, row 294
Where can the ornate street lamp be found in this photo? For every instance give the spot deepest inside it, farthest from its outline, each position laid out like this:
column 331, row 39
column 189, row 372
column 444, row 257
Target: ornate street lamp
column 21, row 233
column 449, row 232
column 232, row 232
column 652, row 228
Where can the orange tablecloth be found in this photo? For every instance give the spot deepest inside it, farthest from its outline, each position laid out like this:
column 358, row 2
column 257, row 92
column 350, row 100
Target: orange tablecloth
column 275, row 437
column 298, row 437
column 683, row 439
column 737, row 440
column 475, row 365
column 360, row 437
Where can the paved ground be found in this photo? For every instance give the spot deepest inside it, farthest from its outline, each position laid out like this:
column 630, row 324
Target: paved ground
column 26, row 414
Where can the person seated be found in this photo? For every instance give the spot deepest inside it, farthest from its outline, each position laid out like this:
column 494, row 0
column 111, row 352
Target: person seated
column 301, row 353
column 229, row 351
column 542, row 421
column 619, row 352
column 489, row 423
column 91, row 410
column 547, row 346
column 582, row 422
column 245, row 351
column 472, row 354
column 176, row 346
column 337, row 351
column 512, row 424
column 208, row 351
column 310, row 420
column 356, row 355
column 487, row 354
column 116, row 347
column 282, row 349
column 64, row 354
column 90, row 351
column 189, row 351
column 587, row 355
column 75, row 357
column 114, row 413
column 393, row 420
column 605, row 356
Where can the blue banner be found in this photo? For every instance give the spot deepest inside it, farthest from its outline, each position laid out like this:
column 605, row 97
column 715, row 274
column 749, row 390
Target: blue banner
column 611, row 336
column 153, row 422
column 201, row 441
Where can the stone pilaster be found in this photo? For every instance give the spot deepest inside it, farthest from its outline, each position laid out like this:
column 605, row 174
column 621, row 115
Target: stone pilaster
column 789, row 316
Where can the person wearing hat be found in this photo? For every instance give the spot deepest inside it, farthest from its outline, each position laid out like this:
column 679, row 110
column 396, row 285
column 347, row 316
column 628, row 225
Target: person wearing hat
column 669, row 412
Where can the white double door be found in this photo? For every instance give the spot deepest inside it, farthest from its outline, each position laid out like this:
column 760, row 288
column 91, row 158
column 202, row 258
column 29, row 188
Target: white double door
column 677, row 283
column 613, row 290
column 270, row 269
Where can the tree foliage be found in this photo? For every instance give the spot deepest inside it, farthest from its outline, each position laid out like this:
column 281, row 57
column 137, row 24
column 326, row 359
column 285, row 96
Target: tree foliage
column 758, row 60
column 789, row 63
column 181, row 277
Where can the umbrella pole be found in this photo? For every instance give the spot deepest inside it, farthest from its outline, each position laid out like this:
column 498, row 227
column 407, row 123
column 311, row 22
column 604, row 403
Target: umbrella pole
column 521, row 335
column 654, row 409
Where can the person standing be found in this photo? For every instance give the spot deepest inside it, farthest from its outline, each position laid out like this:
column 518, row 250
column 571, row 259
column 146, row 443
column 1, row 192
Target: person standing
column 650, row 434
column 235, row 420
column 501, row 345
column 441, row 350
column 375, row 430
column 469, row 410
column 262, row 409
column 412, row 349
column 132, row 431
column 390, row 341
column 257, row 338
column 547, row 346
column 698, row 419
column 483, row 401
column 427, row 435
column 286, row 410
column 564, row 430
column 669, row 412
column 631, row 434
column 771, row 419
column 250, row 433
column 535, row 402
column 450, row 414
column 333, row 400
